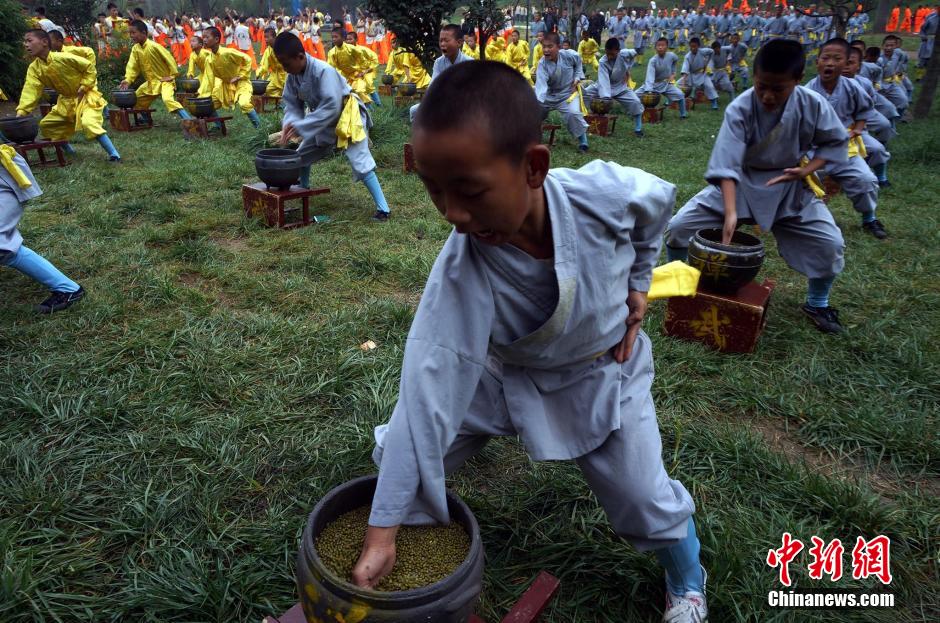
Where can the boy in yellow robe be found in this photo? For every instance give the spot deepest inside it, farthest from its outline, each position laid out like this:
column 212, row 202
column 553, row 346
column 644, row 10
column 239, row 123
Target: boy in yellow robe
column 372, row 62
column 496, row 50
column 231, row 70
column 470, row 46
column 197, row 62
column 79, row 106
column 517, row 55
column 537, row 53
column 350, row 61
column 398, row 62
column 57, row 44
column 270, row 67
column 158, row 68
column 587, row 48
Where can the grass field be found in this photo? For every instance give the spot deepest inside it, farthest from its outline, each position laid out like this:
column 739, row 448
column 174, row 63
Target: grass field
column 162, row 442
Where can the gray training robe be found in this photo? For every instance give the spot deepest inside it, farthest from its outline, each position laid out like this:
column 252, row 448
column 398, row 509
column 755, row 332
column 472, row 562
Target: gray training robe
column 313, row 102
column 553, row 83
column 506, row 344
column 851, row 104
column 755, row 146
column 12, row 198
column 612, row 83
column 694, row 67
column 658, row 71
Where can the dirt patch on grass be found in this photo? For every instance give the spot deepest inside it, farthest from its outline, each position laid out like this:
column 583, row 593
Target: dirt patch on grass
column 233, row 245
column 782, row 438
column 198, row 282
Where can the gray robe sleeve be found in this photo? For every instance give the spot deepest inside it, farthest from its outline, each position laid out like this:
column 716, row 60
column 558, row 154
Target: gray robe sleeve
column 727, row 157
column 603, row 80
column 322, row 119
column 830, row 140
column 651, row 212
column 293, row 106
column 443, row 364
column 650, row 75
column 541, row 81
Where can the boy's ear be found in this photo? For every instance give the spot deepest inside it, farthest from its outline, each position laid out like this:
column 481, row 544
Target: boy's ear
column 538, row 160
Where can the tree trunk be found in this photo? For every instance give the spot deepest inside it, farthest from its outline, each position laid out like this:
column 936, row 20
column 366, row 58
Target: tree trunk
column 881, row 16
column 928, row 85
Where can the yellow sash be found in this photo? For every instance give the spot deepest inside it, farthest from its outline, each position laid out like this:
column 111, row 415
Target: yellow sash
column 812, row 180
column 673, row 279
column 857, row 147
column 349, row 128
column 580, row 97
column 7, row 153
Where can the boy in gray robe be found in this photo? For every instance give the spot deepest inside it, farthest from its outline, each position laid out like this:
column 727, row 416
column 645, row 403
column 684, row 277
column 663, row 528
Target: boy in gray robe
column 720, row 66
column 851, row 105
column 450, row 41
column 737, row 58
column 17, row 186
column 694, row 71
column 893, row 63
column 876, row 124
column 556, row 86
column 757, row 174
column 522, row 329
column 315, row 96
column 660, row 75
column 611, row 82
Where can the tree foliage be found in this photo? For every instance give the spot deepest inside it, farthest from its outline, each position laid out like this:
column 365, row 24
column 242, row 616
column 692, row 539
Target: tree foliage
column 487, row 17
column 840, row 11
column 72, row 15
column 416, row 24
column 12, row 27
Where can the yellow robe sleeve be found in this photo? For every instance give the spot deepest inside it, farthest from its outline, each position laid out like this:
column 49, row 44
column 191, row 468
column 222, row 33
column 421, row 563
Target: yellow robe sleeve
column 133, row 65
column 32, row 91
column 164, row 63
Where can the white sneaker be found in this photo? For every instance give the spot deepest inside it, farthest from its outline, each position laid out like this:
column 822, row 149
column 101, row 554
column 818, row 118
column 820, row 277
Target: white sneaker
column 688, row 608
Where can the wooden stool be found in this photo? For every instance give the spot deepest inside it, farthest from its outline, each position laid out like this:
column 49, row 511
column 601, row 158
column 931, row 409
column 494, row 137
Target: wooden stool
column 700, row 97
column 259, row 200
column 729, row 323
column 408, row 159
column 550, row 128
column 44, row 109
column 385, row 89
column 601, row 125
column 39, row 147
column 199, row 126
column 689, row 104
column 120, row 119
column 653, row 115
column 407, row 100
column 831, row 187
column 260, row 102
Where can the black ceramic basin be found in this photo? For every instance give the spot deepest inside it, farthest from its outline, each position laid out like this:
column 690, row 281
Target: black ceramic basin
column 20, row 129
column 407, row 88
column 279, row 168
column 725, row 267
column 388, row 79
column 124, row 98
column 201, row 106
column 258, row 87
column 601, row 106
column 651, row 99
column 188, row 85
column 51, row 95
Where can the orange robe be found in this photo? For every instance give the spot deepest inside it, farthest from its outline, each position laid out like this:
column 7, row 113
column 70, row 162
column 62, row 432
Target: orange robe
column 893, row 20
column 906, row 24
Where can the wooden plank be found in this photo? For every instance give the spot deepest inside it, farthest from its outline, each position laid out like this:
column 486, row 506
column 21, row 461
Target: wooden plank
column 534, row 600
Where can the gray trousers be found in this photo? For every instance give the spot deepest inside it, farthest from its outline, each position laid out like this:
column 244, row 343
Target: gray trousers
column 704, row 82
column 627, row 99
column 626, row 473
column 722, row 82
column 877, row 153
column 570, row 114
column 809, row 240
column 895, row 94
column 858, row 183
column 358, row 154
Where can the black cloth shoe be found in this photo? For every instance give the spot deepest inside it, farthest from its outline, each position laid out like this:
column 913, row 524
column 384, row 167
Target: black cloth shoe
column 380, row 217
column 884, row 184
column 826, row 319
column 58, row 301
column 876, row 229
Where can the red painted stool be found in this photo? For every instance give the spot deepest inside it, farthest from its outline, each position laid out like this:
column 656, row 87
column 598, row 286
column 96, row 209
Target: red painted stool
column 601, row 125
column 408, row 159
column 728, row 323
column 199, row 126
column 653, row 115
column 269, row 203
column 120, row 119
column 39, row 147
column 260, row 102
